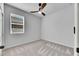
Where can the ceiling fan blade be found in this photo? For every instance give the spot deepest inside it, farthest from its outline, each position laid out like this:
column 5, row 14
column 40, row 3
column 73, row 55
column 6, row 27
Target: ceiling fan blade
column 33, row 11
column 42, row 5
column 43, row 14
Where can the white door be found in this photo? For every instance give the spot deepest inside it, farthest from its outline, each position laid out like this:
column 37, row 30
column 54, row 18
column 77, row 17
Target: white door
column 0, row 31
column 77, row 29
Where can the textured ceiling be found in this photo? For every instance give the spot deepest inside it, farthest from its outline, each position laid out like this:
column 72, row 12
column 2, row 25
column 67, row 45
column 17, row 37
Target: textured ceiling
column 50, row 8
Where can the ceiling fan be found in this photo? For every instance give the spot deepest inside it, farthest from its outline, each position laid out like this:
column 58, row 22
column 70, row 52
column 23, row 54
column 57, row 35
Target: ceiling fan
column 40, row 10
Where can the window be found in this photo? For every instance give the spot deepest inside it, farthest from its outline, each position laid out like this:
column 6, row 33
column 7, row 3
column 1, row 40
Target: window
column 16, row 24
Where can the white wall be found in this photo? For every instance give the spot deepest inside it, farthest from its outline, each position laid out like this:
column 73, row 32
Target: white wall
column 32, row 28
column 58, row 27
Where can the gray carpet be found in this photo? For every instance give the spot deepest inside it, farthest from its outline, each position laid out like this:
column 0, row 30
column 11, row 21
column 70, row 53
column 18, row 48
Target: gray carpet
column 39, row 48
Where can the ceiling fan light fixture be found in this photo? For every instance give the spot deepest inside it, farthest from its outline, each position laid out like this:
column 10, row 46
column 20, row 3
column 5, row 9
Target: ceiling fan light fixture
column 39, row 12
